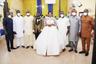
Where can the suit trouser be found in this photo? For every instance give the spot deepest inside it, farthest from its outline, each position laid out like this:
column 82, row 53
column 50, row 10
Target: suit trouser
column 37, row 34
column 20, row 41
column 9, row 41
column 74, row 45
column 86, row 43
column 69, row 43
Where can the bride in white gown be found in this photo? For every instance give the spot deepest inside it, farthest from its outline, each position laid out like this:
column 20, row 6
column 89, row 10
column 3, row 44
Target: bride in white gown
column 47, row 42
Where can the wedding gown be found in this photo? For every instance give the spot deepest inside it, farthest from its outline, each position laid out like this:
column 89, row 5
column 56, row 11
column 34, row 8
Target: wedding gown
column 48, row 41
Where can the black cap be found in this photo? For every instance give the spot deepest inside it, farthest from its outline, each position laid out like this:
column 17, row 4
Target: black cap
column 86, row 10
column 17, row 11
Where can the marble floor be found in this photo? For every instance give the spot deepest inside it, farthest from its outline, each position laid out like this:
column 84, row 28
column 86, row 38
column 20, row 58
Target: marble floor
column 29, row 56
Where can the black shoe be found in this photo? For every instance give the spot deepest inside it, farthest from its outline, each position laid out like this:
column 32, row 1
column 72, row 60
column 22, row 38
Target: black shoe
column 23, row 46
column 9, row 50
column 64, row 50
column 32, row 47
column 68, row 45
column 17, row 47
column 75, row 51
column 70, row 50
column 81, row 52
column 87, row 53
column 27, row 47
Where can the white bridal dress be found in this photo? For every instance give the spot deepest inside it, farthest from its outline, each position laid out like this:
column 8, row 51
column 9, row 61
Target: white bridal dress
column 48, row 41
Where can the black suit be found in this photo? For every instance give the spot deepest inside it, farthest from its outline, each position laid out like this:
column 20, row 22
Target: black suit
column 9, row 34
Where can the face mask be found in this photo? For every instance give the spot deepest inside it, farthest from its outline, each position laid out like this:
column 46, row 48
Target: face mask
column 28, row 14
column 73, row 13
column 61, row 15
column 85, row 14
column 18, row 14
column 9, row 16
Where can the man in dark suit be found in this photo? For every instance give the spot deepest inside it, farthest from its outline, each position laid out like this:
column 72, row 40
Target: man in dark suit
column 9, row 33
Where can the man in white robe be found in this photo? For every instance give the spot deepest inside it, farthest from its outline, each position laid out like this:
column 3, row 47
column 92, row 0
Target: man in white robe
column 63, row 26
column 28, row 30
column 18, row 28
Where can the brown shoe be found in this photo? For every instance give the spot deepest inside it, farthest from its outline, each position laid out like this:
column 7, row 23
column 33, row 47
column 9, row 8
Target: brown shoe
column 32, row 47
column 70, row 50
column 23, row 46
column 82, row 52
column 68, row 45
column 17, row 47
column 64, row 50
column 87, row 53
column 75, row 51
column 27, row 47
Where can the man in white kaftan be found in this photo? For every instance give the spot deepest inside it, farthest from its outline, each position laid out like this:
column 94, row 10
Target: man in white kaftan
column 18, row 28
column 63, row 26
column 28, row 30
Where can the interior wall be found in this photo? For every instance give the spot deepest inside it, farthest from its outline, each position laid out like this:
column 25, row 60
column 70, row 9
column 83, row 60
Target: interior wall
column 23, row 5
column 44, row 8
column 56, row 8
column 64, row 6
column 15, row 5
column 32, row 6
column 86, row 4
